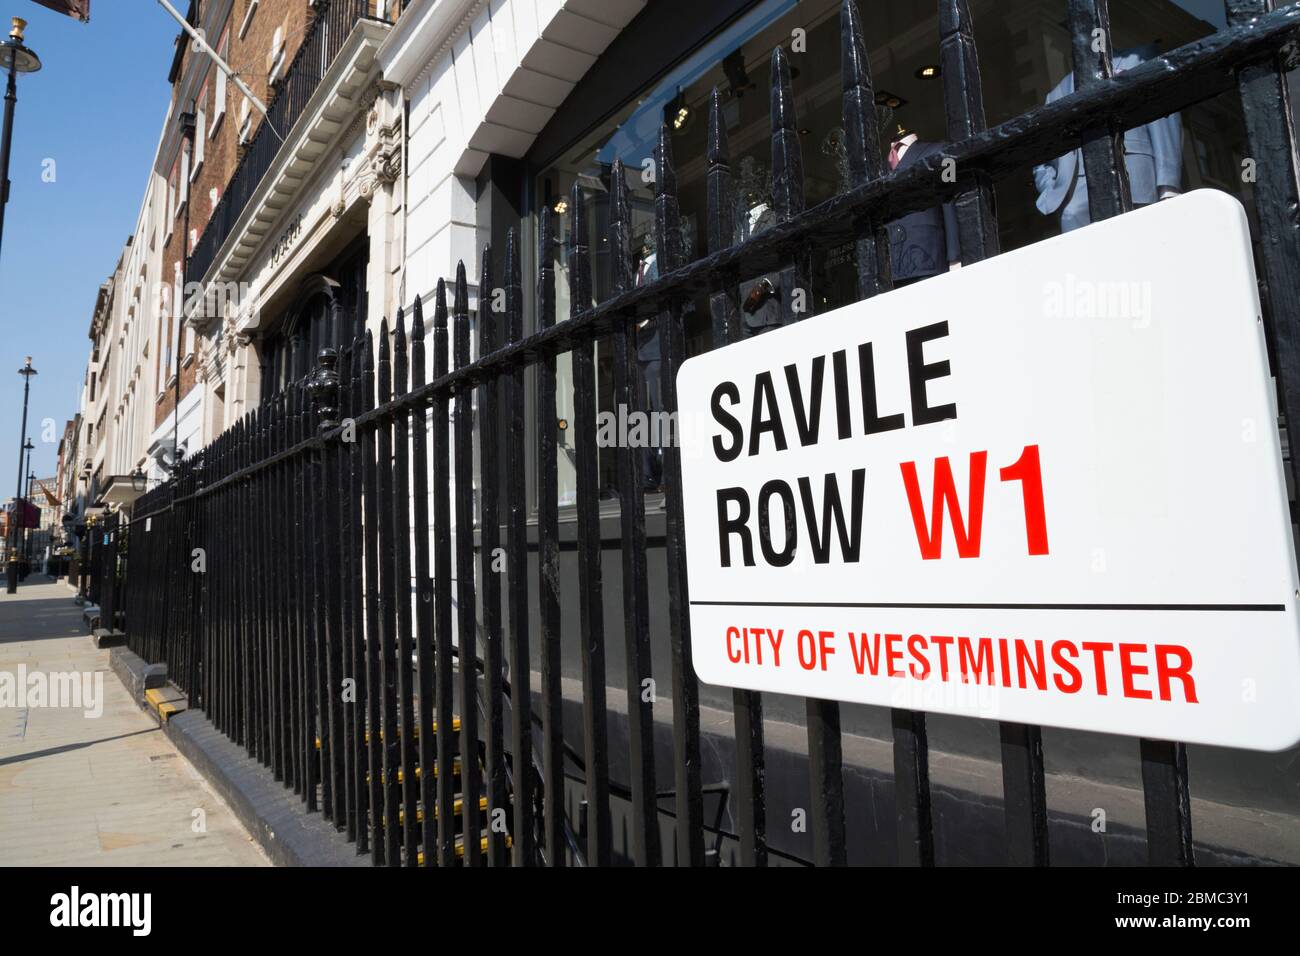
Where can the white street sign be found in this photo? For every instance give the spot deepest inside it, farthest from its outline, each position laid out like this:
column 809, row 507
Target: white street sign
column 1046, row 488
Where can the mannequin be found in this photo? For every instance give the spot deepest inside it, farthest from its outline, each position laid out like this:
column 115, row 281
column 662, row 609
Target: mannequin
column 760, row 299
column 898, row 148
column 648, row 356
column 921, row 244
column 1152, row 156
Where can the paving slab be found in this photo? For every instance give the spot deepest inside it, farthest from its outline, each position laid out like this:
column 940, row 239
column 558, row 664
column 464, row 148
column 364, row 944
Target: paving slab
column 98, row 786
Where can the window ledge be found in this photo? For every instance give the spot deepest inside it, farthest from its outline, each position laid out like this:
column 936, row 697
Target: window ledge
column 248, row 18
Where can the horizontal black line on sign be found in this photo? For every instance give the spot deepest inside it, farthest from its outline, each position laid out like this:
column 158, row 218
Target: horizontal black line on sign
column 1002, row 607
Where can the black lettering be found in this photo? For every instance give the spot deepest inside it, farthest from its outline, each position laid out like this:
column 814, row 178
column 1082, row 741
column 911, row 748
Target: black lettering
column 765, row 394
column 778, row 559
column 807, row 420
column 727, row 421
column 737, row 526
column 872, row 422
column 819, row 532
column 918, row 373
column 840, row 363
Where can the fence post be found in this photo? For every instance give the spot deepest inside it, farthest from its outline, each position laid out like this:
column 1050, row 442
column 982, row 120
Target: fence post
column 324, row 390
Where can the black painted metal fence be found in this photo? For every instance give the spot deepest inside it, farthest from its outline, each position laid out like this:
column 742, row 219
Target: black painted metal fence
column 274, row 574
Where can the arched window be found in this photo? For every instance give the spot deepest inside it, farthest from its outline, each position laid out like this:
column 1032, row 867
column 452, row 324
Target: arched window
column 315, row 321
column 330, row 310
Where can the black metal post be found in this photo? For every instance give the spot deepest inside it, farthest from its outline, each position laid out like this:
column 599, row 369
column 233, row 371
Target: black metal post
column 11, row 570
column 11, row 99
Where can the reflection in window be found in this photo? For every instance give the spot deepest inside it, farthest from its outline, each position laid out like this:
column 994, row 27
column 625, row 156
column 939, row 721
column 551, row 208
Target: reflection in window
column 1024, row 51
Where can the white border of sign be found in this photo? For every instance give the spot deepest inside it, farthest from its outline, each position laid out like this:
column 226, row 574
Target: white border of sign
column 1148, row 589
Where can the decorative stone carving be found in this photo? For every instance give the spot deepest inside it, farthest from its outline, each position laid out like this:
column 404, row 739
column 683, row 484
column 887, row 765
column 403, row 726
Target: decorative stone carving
column 380, row 162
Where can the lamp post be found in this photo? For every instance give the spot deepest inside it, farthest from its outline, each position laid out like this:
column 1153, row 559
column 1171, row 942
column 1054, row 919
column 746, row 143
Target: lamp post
column 11, row 567
column 14, row 59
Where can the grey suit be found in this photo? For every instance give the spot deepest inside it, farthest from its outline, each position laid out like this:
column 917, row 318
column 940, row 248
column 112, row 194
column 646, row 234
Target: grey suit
column 1153, row 156
column 921, row 244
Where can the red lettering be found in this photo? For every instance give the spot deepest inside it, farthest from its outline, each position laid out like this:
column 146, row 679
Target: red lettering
column 733, row 655
column 942, row 642
column 824, row 638
column 945, row 497
column 1098, row 651
column 809, row 661
column 982, row 663
column 1029, row 473
column 892, row 653
column 863, row 653
column 776, row 645
column 919, row 656
column 1128, row 669
column 1037, row 666
column 1059, row 649
column 1165, row 671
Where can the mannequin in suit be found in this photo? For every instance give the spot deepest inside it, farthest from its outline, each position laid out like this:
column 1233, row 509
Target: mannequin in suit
column 1153, row 155
column 924, row 243
column 648, row 357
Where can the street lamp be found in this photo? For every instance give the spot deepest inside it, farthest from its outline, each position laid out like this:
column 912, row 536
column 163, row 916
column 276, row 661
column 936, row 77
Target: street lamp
column 14, row 58
column 11, row 568
column 138, row 480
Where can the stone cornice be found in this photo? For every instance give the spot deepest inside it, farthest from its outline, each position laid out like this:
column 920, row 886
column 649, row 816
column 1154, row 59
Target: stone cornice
column 335, row 102
column 423, row 35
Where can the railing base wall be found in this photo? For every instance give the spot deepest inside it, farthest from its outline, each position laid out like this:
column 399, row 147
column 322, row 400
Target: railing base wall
column 273, row 815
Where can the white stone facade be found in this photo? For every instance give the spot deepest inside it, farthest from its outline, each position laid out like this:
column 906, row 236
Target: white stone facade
column 480, row 77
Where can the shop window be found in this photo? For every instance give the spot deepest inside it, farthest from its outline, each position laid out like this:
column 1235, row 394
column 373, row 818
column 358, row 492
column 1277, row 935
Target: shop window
column 737, row 62
column 1025, row 57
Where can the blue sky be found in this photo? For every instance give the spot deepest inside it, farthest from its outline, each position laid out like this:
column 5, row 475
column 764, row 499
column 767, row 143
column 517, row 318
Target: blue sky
column 96, row 109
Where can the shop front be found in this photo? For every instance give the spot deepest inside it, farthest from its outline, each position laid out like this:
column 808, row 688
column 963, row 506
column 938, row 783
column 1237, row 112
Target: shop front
column 506, row 116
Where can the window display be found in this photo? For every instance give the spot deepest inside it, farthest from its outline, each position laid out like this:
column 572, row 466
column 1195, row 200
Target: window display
column 1025, row 60
column 1153, row 156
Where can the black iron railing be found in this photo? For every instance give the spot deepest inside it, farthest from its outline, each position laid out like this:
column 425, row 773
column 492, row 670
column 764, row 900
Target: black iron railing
column 332, row 23
column 312, row 537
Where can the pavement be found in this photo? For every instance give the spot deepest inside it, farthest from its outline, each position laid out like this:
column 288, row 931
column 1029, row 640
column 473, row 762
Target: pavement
column 80, row 788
